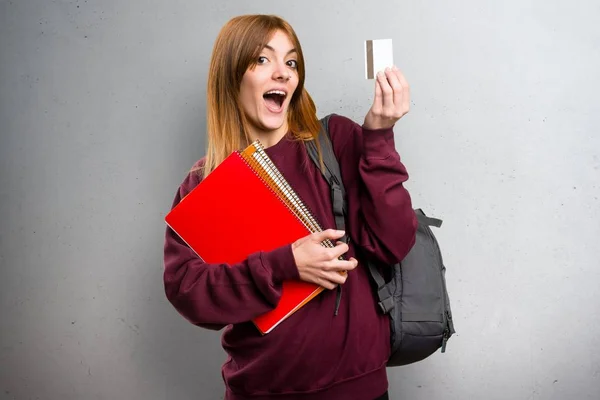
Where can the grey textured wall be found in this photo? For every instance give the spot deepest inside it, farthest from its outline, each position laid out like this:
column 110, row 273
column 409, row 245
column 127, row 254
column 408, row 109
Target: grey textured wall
column 102, row 112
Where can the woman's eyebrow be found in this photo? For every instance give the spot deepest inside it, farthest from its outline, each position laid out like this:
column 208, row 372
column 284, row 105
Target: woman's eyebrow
column 273, row 50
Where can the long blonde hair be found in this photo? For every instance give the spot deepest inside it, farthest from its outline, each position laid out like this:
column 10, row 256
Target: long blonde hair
column 236, row 49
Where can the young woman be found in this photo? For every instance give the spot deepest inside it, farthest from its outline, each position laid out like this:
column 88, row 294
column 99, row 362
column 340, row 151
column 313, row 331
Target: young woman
column 256, row 91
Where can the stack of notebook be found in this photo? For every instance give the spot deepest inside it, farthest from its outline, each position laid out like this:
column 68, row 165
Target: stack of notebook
column 248, row 206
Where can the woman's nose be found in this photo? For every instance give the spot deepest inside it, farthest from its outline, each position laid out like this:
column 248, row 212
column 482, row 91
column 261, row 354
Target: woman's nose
column 281, row 73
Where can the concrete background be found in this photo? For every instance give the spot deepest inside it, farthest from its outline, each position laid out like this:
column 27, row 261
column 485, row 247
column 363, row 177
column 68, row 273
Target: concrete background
column 102, row 112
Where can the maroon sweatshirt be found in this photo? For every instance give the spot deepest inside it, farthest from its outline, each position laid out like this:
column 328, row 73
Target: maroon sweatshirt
column 314, row 354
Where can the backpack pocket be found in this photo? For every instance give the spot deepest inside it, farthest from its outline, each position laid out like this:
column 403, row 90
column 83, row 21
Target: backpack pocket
column 422, row 319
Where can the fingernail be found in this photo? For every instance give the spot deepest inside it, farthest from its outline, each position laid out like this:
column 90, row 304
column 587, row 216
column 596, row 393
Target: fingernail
column 341, row 232
column 380, row 74
column 395, row 68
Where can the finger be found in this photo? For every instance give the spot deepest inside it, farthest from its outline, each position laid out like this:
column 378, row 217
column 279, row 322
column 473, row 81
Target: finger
column 386, row 89
column 349, row 265
column 326, row 283
column 401, row 77
column 339, row 243
column 335, row 278
column 332, row 253
column 330, row 234
column 396, row 87
column 352, row 263
column 330, row 280
column 378, row 100
column 405, row 88
column 340, row 265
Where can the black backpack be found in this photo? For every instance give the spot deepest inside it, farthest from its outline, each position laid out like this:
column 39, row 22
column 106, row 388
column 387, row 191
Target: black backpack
column 414, row 294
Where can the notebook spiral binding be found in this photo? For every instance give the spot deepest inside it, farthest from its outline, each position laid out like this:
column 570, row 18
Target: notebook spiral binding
column 287, row 190
column 261, row 164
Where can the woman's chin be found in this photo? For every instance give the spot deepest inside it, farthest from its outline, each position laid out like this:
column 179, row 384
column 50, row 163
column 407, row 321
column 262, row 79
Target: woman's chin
column 273, row 123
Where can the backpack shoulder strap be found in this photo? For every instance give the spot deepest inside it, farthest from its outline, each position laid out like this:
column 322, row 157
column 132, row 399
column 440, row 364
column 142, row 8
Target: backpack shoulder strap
column 333, row 176
column 331, row 172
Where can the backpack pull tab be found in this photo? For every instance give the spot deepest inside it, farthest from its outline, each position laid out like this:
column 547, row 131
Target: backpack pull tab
column 338, row 299
column 445, row 337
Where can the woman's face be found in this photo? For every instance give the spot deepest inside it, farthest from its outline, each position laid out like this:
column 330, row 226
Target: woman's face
column 267, row 89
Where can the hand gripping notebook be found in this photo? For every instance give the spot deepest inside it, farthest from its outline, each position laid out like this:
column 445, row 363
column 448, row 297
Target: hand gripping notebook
column 249, row 207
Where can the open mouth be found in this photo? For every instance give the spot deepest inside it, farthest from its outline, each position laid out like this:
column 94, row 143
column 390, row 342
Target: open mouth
column 274, row 99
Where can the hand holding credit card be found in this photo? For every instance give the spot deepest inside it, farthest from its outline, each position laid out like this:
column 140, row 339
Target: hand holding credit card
column 392, row 94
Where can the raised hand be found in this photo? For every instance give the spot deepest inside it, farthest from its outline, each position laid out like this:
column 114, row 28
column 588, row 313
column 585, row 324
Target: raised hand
column 392, row 100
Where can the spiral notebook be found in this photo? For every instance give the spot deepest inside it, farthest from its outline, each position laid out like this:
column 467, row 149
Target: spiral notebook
column 250, row 207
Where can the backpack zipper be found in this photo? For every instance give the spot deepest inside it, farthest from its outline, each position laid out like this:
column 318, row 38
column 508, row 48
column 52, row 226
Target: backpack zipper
column 446, row 334
column 445, row 337
column 447, row 315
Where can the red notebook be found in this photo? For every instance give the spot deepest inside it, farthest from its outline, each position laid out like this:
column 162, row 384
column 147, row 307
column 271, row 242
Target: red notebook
column 250, row 208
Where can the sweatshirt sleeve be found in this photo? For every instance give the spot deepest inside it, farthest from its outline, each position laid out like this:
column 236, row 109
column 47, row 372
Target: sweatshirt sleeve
column 216, row 295
column 381, row 219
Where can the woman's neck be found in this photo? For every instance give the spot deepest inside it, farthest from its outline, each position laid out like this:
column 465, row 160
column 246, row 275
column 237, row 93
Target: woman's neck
column 269, row 138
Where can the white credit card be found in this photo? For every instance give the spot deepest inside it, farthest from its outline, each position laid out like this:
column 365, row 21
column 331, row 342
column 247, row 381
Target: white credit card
column 379, row 55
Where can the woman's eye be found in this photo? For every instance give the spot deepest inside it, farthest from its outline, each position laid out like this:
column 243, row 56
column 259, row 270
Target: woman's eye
column 262, row 60
column 293, row 63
